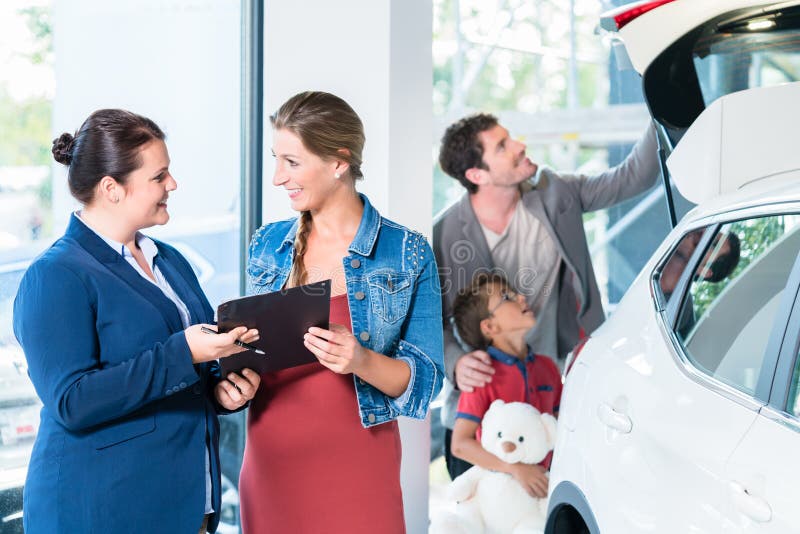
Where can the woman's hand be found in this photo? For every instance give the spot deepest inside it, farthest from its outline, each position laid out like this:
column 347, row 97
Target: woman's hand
column 207, row 347
column 337, row 349
column 237, row 391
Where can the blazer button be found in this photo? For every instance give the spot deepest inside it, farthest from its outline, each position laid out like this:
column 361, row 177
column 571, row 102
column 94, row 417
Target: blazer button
column 168, row 392
column 359, row 295
column 364, row 336
column 355, row 263
column 183, row 385
column 371, row 418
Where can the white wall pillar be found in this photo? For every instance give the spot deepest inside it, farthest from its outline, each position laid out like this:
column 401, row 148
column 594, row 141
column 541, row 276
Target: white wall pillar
column 187, row 80
column 376, row 54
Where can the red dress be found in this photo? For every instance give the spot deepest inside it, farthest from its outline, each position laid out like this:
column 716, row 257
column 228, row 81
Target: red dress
column 309, row 466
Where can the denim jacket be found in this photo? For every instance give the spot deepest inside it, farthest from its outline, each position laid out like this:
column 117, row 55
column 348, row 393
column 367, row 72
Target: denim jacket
column 394, row 298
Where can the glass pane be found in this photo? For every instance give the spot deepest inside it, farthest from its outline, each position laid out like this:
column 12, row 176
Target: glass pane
column 677, row 263
column 727, row 316
column 517, row 57
column 177, row 62
column 26, row 107
column 759, row 53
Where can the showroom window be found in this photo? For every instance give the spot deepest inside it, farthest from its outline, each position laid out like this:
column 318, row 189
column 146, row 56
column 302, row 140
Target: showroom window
column 726, row 316
column 560, row 86
column 175, row 61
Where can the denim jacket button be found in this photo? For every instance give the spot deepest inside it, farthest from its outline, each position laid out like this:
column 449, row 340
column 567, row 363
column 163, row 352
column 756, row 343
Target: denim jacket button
column 371, row 418
column 364, row 336
column 355, row 263
column 359, row 295
column 361, row 381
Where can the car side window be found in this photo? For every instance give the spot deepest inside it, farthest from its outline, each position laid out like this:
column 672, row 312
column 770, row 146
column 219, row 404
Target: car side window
column 726, row 317
column 676, row 264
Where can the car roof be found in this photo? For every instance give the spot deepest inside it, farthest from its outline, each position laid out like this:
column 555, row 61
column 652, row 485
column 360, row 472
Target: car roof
column 777, row 190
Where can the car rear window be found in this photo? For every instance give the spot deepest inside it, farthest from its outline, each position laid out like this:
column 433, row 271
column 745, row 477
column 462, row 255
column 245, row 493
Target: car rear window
column 738, row 50
column 759, row 51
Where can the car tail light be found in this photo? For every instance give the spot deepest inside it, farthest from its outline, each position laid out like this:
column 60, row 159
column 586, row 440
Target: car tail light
column 614, row 20
column 573, row 356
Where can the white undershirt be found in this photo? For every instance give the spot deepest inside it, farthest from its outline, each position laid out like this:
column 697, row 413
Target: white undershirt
column 527, row 256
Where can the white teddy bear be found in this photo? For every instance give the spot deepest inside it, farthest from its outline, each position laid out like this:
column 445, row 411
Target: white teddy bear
column 495, row 503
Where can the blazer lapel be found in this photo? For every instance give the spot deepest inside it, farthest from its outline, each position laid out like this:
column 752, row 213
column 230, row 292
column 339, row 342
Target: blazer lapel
column 532, row 201
column 182, row 287
column 120, row 268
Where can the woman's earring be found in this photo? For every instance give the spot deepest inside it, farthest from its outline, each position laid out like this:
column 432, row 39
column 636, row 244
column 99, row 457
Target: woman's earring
column 337, row 175
column 115, row 199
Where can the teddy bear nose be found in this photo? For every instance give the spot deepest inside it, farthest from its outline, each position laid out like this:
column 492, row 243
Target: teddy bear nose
column 508, row 446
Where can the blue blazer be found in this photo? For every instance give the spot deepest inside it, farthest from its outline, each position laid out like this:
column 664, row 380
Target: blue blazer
column 126, row 414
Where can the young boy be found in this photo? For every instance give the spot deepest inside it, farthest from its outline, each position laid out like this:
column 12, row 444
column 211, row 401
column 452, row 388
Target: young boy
column 491, row 316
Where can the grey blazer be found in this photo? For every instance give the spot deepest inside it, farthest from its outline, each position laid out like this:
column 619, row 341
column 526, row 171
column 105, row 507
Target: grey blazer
column 559, row 201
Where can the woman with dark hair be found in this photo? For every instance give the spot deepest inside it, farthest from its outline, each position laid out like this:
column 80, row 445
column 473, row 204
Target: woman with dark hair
column 323, row 446
column 109, row 320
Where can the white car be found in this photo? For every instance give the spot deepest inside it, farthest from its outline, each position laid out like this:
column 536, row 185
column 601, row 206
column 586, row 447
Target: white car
column 682, row 412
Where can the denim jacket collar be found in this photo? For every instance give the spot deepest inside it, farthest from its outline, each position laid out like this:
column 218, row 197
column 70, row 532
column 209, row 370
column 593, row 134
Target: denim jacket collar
column 366, row 235
column 289, row 239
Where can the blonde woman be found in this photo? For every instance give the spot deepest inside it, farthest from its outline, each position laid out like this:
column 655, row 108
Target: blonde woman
column 323, row 448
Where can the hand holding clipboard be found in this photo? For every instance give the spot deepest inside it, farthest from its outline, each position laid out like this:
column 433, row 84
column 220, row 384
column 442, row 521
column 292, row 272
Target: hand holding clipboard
column 238, row 343
column 282, row 318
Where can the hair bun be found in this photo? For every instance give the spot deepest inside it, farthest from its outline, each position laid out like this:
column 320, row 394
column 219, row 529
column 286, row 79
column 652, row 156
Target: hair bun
column 62, row 148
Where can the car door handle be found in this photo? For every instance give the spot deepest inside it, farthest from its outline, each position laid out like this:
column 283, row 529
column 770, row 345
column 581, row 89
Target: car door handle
column 612, row 418
column 752, row 506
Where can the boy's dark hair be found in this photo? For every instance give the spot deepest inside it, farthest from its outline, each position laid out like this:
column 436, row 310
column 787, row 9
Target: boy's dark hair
column 462, row 150
column 471, row 306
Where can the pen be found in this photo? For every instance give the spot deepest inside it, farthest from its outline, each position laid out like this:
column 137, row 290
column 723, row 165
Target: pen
column 238, row 343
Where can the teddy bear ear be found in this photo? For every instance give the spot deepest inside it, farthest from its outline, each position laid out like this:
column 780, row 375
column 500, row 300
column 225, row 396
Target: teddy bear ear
column 549, row 425
column 496, row 404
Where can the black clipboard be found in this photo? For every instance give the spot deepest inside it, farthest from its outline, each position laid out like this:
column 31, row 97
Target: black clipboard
column 282, row 318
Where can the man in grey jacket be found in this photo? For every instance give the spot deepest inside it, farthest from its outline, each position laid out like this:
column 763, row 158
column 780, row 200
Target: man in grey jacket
column 526, row 223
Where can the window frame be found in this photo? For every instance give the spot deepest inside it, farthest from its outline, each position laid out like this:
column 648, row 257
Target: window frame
column 783, row 344
column 786, row 354
column 673, row 307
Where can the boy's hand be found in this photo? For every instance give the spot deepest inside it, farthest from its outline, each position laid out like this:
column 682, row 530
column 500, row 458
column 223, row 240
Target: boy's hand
column 532, row 477
column 473, row 370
